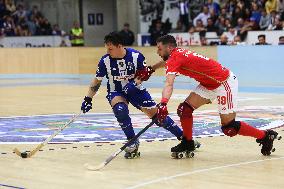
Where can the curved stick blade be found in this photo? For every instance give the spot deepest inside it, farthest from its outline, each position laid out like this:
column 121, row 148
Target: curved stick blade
column 94, row 168
column 17, row 152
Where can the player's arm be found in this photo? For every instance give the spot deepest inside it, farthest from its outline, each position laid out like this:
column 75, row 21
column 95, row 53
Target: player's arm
column 159, row 65
column 168, row 88
column 162, row 111
column 94, row 87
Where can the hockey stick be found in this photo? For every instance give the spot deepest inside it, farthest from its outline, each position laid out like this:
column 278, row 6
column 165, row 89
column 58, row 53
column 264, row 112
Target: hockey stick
column 110, row 158
column 28, row 155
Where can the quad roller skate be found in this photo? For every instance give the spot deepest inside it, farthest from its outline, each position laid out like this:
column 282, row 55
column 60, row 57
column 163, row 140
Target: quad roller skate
column 267, row 142
column 131, row 151
column 184, row 149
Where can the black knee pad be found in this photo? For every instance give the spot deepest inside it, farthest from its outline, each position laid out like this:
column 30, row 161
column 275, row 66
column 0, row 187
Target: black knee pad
column 232, row 128
column 121, row 111
column 185, row 110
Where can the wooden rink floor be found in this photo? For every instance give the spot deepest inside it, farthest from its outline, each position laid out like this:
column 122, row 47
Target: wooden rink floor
column 221, row 162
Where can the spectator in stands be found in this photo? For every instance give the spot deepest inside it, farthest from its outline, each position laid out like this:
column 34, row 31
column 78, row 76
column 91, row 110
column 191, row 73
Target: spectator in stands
column 227, row 24
column 179, row 28
column 45, row 27
column 77, row 35
column 280, row 8
column 22, row 28
column 204, row 15
column 32, row 25
column 247, row 14
column 20, row 13
column 9, row 26
column 2, row 9
column 213, row 16
column 63, row 43
column 231, row 34
column 210, row 26
column 220, row 24
column 237, row 13
column 212, row 5
column 277, row 25
column 10, row 7
column 35, row 12
column 270, row 6
column 273, row 17
column 261, row 40
column 241, row 29
column 255, row 13
column 253, row 25
column 57, row 31
column 127, row 35
column 264, row 20
column 224, row 13
column 223, row 40
column 203, row 41
column 199, row 26
column 281, row 40
column 238, row 41
column 156, row 32
column 183, row 12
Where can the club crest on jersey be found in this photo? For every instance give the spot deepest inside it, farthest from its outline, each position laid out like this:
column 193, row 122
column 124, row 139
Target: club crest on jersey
column 130, row 65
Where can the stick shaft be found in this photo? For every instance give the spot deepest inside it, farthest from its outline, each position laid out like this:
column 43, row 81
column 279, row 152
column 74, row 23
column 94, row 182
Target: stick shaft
column 53, row 135
column 110, row 158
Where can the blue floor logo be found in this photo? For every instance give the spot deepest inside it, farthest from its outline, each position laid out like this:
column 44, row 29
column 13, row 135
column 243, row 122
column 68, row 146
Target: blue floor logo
column 104, row 127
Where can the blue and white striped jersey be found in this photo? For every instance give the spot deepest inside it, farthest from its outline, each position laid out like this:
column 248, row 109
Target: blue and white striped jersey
column 120, row 71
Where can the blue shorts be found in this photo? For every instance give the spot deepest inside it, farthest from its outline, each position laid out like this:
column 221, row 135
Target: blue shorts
column 142, row 98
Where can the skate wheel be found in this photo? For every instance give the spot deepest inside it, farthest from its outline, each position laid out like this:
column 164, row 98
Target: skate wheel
column 138, row 154
column 189, row 154
column 174, row 155
column 273, row 150
column 279, row 137
column 197, row 144
column 132, row 155
column 180, row 156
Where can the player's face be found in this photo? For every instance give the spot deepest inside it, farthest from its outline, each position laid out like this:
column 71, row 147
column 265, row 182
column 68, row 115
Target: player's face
column 113, row 51
column 163, row 51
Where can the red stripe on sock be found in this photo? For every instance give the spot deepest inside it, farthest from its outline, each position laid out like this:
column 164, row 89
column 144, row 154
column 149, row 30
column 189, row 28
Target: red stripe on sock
column 248, row 130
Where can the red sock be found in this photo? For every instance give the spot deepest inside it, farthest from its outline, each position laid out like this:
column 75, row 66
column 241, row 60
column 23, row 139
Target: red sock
column 187, row 124
column 247, row 130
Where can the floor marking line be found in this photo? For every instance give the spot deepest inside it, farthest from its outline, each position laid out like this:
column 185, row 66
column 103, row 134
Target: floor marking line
column 8, row 186
column 198, row 171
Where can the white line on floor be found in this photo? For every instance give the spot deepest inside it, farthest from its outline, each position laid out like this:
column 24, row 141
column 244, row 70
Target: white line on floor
column 198, row 171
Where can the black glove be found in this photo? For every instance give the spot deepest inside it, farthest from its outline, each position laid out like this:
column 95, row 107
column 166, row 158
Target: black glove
column 87, row 104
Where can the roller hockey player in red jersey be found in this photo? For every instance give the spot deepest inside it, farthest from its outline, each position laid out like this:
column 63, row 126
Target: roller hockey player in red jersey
column 216, row 82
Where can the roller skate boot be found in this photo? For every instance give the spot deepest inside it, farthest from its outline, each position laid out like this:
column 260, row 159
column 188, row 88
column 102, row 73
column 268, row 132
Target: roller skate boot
column 267, row 142
column 131, row 151
column 184, row 149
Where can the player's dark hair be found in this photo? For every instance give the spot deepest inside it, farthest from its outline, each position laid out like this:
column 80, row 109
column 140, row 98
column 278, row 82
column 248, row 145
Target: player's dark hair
column 167, row 40
column 115, row 38
column 261, row 35
column 281, row 37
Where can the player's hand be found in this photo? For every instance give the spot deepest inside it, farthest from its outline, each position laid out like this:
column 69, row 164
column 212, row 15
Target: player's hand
column 145, row 73
column 162, row 112
column 87, row 104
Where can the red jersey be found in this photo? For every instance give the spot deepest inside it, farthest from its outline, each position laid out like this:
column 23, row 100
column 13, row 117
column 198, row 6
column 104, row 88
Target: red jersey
column 209, row 73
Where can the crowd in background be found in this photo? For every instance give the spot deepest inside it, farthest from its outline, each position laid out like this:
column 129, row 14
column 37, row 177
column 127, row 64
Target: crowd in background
column 229, row 19
column 17, row 20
